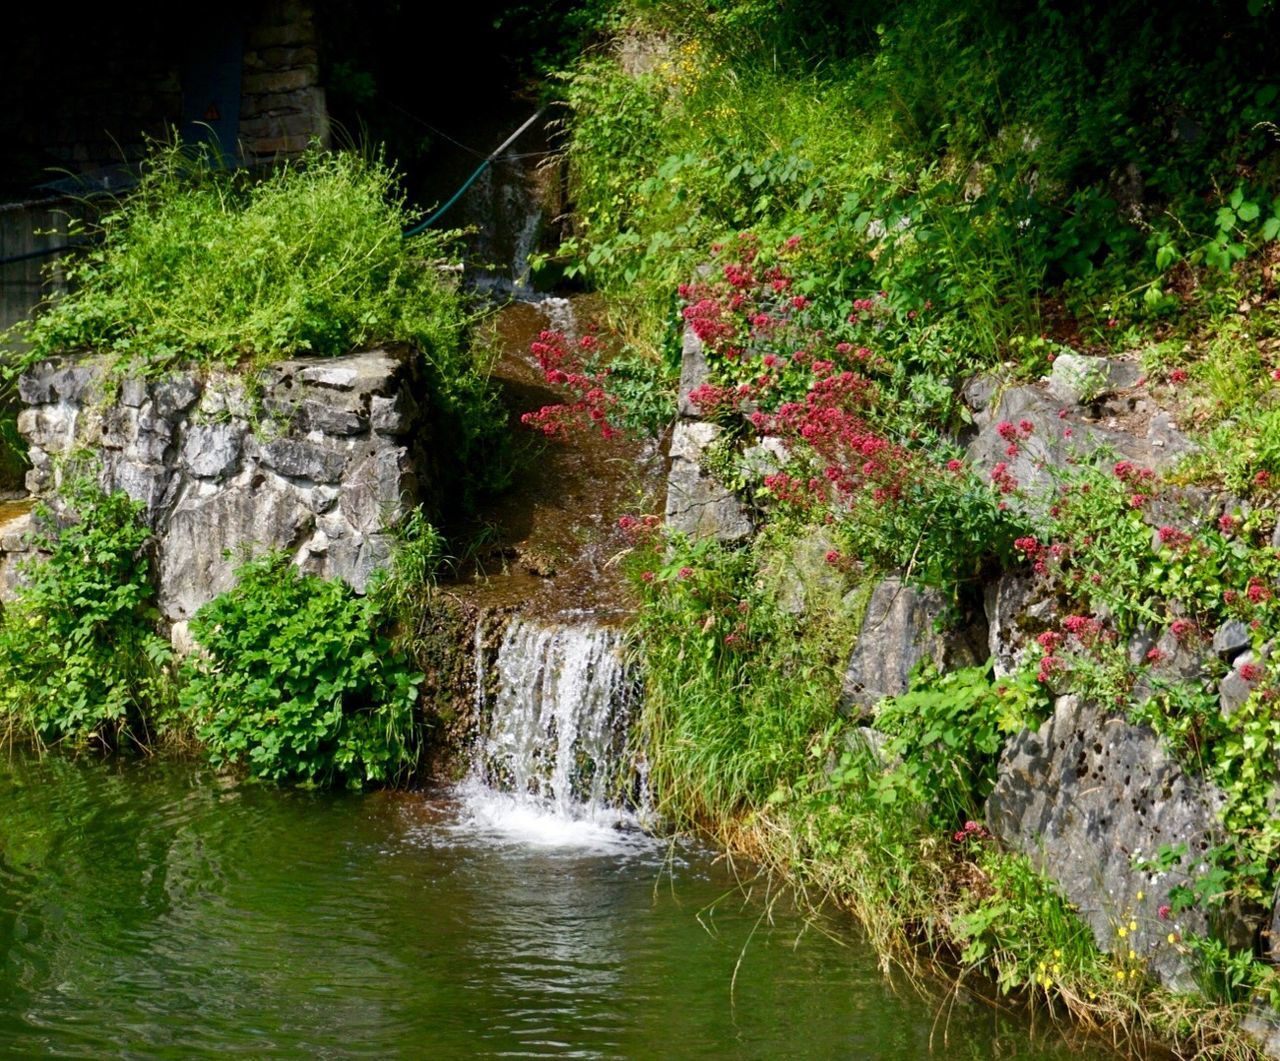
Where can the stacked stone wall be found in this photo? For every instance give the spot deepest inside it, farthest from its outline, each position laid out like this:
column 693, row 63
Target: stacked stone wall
column 318, row 457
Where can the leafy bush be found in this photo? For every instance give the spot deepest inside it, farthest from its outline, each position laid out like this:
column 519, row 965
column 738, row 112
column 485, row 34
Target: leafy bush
column 297, row 680
column 938, row 152
column 79, row 654
column 946, row 734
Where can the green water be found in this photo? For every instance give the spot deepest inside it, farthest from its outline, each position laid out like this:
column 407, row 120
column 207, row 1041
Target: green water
column 156, row 910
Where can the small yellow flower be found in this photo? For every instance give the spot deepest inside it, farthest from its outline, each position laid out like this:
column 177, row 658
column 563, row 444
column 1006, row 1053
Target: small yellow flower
column 1133, row 974
column 1173, row 937
column 1133, row 926
column 1120, row 975
column 1132, row 955
column 1057, row 952
column 1141, row 896
column 1122, row 932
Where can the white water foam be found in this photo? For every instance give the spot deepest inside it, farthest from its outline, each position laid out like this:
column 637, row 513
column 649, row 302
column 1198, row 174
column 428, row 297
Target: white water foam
column 507, row 819
column 551, row 766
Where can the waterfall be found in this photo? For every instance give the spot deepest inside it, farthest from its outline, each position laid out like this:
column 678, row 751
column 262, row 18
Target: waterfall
column 552, row 757
column 510, row 220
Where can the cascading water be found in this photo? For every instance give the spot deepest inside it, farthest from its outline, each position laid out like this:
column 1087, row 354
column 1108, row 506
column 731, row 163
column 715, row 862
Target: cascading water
column 555, row 700
column 552, row 763
column 503, row 199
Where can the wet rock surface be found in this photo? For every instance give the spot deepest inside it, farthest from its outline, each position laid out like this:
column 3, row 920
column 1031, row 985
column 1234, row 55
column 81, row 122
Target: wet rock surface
column 223, row 475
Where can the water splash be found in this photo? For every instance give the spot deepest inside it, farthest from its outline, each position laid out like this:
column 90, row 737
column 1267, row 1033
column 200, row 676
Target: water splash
column 552, row 767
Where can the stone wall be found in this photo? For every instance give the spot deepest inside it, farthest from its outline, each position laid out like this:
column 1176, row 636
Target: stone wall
column 1096, row 802
column 318, row 457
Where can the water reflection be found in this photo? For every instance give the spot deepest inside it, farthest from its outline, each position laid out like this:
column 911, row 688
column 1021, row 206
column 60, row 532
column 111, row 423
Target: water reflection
column 155, row 911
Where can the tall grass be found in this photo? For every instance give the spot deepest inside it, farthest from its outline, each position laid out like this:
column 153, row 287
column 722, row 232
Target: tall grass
column 200, row 264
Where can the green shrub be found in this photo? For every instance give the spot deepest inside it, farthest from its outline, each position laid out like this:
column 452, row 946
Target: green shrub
column 946, row 733
column 297, row 680
column 79, row 654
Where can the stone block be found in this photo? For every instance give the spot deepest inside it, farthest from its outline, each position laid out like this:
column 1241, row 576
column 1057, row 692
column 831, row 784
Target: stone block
column 212, row 451
column 300, row 459
column 698, row 504
column 901, row 628
column 1230, row 639
column 172, row 397
column 1078, row 380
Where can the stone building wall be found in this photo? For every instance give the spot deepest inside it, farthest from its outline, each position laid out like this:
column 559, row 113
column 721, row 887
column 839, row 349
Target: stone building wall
column 86, row 98
column 282, row 104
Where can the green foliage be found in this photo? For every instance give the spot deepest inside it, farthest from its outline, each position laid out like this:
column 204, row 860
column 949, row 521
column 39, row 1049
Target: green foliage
column 201, row 264
column 959, row 155
column 735, row 689
column 79, row 653
column 13, row 450
column 418, row 554
column 297, row 681
column 946, row 735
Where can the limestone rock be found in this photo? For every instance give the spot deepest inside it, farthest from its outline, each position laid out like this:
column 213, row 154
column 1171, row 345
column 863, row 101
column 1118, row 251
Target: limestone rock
column 1077, row 380
column 1018, row 606
column 899, row 630
column 1235, row 688
column 174, row 396
column 302, row 459
column 1230, row 639
column 1060, row 434
column 15, row 549
column 393, row 416
column 245, row 517
column 212, row 451
column 693, row 374
column 1173, row 662
column 373, row 491
column 323, row 490
column 133, row 392
column 369, row 372
column 697, row 503
column 1086, row 797
column 978, row 394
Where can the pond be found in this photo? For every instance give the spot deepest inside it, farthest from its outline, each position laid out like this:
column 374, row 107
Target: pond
column 157, row 909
